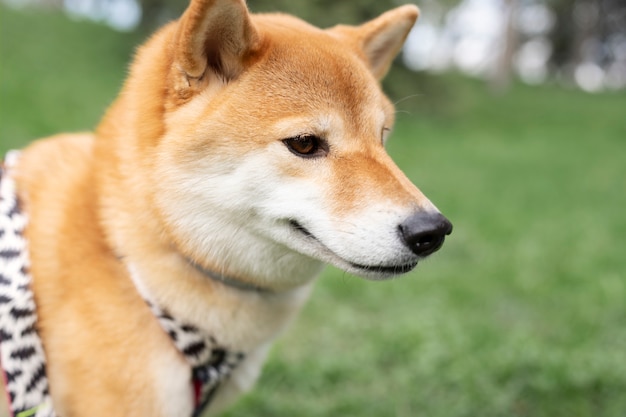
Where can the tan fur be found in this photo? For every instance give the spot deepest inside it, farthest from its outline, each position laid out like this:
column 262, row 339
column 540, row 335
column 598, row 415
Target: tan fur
column 207, row 96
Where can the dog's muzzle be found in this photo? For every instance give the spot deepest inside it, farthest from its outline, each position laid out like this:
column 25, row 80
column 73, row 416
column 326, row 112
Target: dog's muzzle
column 424, row 232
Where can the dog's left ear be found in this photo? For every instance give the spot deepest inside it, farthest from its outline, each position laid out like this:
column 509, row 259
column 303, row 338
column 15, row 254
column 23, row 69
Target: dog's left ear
column 379, row 41
column 214, row 35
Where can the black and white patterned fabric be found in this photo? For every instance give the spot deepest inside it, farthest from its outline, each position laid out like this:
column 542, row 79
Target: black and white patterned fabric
column 211, row 363
column 21, row 352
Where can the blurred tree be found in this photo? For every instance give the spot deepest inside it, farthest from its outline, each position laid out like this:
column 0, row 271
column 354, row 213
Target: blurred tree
column 500, row 79
column 584, row 31
column 155, row 13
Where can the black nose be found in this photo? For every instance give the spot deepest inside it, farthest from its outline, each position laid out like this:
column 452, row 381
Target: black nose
column 424, row 232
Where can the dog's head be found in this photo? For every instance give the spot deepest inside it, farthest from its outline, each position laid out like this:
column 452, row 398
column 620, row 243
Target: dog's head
column 269, row 152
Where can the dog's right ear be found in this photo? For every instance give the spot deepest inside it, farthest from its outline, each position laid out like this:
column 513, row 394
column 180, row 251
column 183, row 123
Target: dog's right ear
column 212, row 35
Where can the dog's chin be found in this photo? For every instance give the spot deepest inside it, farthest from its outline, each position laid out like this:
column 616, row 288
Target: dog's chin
column 325, row 254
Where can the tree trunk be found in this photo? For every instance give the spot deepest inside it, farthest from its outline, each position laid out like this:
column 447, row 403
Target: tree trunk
column 500, row 80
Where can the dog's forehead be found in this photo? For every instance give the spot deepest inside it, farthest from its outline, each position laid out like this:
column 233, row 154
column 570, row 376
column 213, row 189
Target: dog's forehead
column 306, row 69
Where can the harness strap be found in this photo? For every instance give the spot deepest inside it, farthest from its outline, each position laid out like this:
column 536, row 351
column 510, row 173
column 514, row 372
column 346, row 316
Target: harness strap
column 21, row 351
column 211, row 363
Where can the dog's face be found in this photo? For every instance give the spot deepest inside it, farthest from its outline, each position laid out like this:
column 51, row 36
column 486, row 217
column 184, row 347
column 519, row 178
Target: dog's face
column 274, row 144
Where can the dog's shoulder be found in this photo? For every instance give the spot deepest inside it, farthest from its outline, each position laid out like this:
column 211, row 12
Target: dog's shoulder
column 56, row 160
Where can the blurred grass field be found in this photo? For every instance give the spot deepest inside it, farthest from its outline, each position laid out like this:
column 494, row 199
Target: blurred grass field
column 522, row 313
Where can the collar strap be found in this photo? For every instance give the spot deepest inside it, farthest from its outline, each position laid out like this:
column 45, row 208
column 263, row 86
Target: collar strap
column 228, row 281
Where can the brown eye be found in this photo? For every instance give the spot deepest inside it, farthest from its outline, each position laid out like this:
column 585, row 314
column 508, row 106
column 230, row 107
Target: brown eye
column 306, row 146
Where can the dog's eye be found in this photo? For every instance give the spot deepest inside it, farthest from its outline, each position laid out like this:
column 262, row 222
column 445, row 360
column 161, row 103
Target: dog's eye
column 307, row 146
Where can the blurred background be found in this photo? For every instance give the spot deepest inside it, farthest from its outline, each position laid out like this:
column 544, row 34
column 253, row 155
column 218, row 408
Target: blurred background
column 511, row 118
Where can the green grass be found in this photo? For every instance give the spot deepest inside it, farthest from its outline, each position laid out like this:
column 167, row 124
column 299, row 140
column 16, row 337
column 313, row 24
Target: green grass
column 523, row 313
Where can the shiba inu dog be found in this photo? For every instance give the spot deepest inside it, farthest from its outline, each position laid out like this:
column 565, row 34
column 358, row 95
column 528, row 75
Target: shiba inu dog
column 166, row 251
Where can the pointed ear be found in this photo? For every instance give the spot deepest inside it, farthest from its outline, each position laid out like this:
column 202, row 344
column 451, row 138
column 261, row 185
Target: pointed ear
column 380, row 40
column 215, row 35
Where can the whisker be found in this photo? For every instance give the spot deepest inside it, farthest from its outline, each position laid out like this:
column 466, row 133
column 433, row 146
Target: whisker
column 408, row 97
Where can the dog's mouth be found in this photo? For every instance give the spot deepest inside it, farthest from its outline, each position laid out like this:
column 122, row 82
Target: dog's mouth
column 380, row 270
